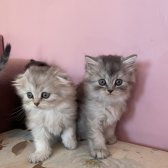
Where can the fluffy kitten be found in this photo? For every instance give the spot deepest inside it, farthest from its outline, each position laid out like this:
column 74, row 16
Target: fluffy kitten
column 102, row 99
column 5, row 56
column 48, row 98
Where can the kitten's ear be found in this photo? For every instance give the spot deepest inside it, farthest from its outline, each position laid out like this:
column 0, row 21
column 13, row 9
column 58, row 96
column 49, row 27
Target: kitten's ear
column 129, row 62
column 63, row 79
column 61, row 76
column 91, row 63
column 90, row 60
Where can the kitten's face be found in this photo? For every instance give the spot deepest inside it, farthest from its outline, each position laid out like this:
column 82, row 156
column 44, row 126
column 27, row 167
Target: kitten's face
column 42, row 87
column 110, row 75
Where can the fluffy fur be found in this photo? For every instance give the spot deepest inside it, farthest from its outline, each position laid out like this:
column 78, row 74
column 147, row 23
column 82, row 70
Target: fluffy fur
column 54, row 115
column 5, row 56
column 100, row 107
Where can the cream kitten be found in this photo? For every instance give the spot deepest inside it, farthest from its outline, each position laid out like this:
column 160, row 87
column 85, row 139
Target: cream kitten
column 48, row 98
column 102, row 99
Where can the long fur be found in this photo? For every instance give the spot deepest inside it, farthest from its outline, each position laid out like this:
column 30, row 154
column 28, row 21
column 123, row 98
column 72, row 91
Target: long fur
column 5, row 56
column 100, row 110
column 53, row 116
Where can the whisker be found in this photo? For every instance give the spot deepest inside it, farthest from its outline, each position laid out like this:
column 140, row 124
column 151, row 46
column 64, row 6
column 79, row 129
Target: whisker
column 18, row 107
column 16, row 112
column 22, row 116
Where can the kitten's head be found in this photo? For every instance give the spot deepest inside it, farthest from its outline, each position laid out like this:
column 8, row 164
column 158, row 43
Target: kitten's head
column 43, row 87
column 110, row 75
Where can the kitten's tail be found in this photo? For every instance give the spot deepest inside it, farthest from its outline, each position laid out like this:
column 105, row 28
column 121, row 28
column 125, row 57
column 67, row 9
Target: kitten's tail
column 5, row 56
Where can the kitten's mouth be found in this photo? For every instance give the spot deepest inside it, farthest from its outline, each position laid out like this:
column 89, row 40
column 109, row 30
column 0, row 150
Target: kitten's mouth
column 37, row 107
column 109, row 93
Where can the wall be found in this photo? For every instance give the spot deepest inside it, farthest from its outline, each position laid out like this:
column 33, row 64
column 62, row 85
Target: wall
column 62, row 32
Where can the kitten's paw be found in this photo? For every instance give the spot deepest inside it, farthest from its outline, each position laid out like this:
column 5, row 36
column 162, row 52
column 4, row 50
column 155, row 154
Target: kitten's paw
column 71, row 144
column 100, row 153
column 112, row 140
column 37, row 157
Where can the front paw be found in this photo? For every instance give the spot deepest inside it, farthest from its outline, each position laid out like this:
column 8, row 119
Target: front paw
column 70, row 144
column 37, row 157
column 112, row 140
column 100, row 153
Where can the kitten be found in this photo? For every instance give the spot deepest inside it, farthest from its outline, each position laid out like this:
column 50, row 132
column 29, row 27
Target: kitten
column 48, row 98
column 102, row 97
column 5, row 56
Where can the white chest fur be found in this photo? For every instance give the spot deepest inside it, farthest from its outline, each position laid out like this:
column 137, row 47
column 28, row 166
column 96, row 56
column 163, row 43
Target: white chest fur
column 112, row 115
column 53, row 121
column 50, row 119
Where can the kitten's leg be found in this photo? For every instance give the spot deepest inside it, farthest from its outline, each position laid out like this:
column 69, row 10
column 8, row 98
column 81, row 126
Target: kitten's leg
column 69, row 137
column 110, row 134
column 42, row 145
column 97, row 144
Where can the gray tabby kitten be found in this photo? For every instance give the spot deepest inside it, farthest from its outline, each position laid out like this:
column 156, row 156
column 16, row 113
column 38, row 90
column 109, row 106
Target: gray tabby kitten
column 102, row 99
column 5, row 56
column 48, row 98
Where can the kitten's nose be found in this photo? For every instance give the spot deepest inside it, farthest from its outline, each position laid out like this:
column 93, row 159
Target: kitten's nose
column 36, row 103
column 110, row 91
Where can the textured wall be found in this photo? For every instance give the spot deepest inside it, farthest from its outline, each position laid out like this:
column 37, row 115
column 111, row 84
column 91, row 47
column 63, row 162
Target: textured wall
column 62, row 32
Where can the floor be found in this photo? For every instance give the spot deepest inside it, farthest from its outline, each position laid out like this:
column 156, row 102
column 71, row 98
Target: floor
column 16, row 145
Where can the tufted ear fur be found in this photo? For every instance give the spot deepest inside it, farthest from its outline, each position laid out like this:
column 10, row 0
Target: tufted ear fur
column 91, row 64
column 59, row 75
column 19, row 81
column 90, row 60
column 129, row 62
column 63, row 79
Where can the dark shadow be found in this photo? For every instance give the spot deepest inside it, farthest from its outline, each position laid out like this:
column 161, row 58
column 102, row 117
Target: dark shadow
column 142, row 69
column 9, row 101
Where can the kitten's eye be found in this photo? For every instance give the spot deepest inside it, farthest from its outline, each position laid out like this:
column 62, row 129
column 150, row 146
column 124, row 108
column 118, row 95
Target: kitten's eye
column 102, row 82
column 45, row 95
column 118, row 82
column 29, row 95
